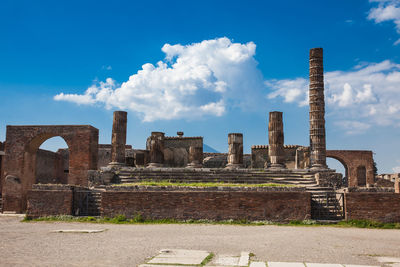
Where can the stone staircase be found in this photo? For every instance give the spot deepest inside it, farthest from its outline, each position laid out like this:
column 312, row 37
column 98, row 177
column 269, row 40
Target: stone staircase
column 94, row 203
column 326, row 204
column 182, row 175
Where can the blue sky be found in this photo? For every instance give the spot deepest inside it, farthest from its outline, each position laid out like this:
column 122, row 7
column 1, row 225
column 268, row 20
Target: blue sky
column 224, row 66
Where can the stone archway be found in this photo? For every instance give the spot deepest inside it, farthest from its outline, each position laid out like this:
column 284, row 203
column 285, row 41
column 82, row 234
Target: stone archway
column 346, row 169
column 359, row 165
column 22, row 143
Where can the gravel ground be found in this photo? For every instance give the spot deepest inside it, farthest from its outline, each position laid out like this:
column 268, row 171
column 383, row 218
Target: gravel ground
column 33, row 243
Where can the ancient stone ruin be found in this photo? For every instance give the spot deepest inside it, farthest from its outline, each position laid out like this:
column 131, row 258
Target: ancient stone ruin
column 81, row 179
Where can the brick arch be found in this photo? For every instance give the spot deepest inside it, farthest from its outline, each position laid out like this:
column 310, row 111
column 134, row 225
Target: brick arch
column 22, row 143
column 352, row 160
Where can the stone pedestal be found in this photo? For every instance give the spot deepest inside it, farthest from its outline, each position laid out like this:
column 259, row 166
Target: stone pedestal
column 235, row 153
column 317, row 110
column 276, row 151
column 195, row 157
column 118, row 139
column 156, row 147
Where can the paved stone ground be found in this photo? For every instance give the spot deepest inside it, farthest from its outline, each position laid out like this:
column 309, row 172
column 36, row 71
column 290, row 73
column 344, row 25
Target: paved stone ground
column 193, row 258
column 36, row 243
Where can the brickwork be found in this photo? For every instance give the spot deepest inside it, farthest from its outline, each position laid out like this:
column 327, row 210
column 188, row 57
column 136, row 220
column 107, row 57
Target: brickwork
column 50, row 168
column 352, row 161
column 57, row 201
column 213, row 205
column 22, row 143
column 296, row 157
column 383, row 207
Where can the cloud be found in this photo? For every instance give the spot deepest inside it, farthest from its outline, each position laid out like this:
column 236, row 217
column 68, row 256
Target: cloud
column 192, row 81
column 396, row 169
column 367, row 94
column 387, row 10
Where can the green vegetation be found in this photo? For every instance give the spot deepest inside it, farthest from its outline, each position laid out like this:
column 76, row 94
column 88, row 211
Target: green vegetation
column 207, row 259
column 138, row 219
column 215, row 184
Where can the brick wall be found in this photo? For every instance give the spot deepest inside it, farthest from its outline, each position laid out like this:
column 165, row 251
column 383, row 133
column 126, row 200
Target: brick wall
column 213, row 205
column 41, row 202
column 380, row 206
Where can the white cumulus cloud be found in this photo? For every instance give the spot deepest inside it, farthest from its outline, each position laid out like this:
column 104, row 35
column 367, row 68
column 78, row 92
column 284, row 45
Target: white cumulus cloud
column 192, row 81
column 367, row 94
column 387, row 10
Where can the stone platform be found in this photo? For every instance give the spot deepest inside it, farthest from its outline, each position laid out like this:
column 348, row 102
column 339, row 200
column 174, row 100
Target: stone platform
column 301, row 178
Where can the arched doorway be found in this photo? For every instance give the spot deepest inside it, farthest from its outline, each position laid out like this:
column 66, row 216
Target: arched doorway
column 340, row 166
column 361, row 176
column 52, row 162
column 22, row 144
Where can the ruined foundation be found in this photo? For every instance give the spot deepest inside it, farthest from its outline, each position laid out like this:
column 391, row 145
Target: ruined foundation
column 235, row 153
column 317, row 110
column 118, row 139
column 276, row 151
column 195, row 157
column 156, row 145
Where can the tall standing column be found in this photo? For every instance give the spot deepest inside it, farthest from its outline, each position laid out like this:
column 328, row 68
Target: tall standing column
column 276, row 151
column 118, row 139
column 156, row 146
column 235, row 153
column 317, row 110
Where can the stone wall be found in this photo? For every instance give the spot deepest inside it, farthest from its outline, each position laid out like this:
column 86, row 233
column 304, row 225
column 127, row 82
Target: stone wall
column 293, row 153
column 50, row 168
column 1, row 164
column 212, row 205
column 22, row 143
column 379, row 206
column 55, row 200
column 176, row 150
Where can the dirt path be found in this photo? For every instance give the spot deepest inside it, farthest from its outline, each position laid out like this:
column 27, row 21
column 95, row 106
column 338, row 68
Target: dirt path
column 33, row 243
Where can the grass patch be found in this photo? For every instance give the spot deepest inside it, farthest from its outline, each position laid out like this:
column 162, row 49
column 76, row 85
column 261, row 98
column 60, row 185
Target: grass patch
column 207, row 259
column 138, row 219
column 208, row 184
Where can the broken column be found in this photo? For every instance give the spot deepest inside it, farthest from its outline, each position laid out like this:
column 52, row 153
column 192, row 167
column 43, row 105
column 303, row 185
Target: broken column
column 156, row 147
column 317, row 110
column 118, row 139
column 195, row 157
column 276, row 151
column 235, row 153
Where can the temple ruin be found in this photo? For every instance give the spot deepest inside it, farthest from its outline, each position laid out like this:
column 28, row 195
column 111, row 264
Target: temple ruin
column 81, row 179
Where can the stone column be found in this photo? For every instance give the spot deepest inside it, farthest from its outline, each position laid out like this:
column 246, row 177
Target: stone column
column 317, row 110
column 235, row 153
column 118, row 139
column 156, row 146
column 195, row 157
column 276, row 151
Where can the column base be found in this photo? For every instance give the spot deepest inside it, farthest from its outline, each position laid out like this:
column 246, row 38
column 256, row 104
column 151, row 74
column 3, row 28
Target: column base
column 318, row 167
column 275, row 166
column 155, row 165
column 113, row 163
column 231, row 166
column 194, row 165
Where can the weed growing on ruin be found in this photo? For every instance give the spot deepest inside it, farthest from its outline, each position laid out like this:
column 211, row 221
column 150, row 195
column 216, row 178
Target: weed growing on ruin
column 207, row 259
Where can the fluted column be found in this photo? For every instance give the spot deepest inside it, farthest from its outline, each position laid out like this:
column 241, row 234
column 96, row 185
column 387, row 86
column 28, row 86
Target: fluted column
column 317, row 110
column 118, row 138
column 235, row 153
column 276, row 151
column 156, row 149
column 195, row 157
